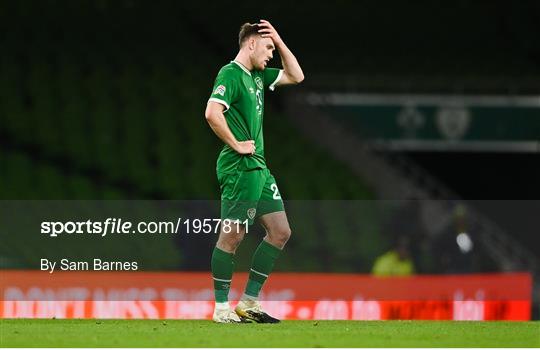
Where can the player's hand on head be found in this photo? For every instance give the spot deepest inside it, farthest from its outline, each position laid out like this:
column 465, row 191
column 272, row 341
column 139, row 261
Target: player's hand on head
column 245, row 147
column 267, row 30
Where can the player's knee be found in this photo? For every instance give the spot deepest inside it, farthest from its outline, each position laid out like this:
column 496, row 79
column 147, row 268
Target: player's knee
column 229, row 245
column 230, row 241
column 287, row 234
column 282, row 235
column 235, row 239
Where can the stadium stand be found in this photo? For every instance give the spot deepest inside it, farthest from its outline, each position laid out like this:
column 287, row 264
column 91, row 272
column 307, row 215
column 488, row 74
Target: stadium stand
column 105, row 99
column 86, row 118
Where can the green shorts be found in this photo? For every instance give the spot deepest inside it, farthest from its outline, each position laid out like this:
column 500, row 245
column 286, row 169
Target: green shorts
column 247, row 195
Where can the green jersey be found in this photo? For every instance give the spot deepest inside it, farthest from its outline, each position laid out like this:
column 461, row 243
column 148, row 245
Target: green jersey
column 241, row 92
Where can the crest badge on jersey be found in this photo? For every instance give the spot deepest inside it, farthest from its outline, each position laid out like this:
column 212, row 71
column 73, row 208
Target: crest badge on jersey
column 220, row 90
column 251, row 213
column 259, row 82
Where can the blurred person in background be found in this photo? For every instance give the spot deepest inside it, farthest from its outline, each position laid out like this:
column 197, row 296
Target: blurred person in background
column 406, row 220
column 395, row 262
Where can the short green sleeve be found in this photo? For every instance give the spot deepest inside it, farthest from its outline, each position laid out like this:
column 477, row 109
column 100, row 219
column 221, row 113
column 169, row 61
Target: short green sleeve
column 225, row 89
column 271, row 77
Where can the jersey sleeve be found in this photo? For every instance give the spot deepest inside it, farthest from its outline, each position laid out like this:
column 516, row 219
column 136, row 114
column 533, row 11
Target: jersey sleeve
column 271, row 77
column 224, row 91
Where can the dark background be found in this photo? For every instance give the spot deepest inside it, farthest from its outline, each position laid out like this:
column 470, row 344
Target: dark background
column 105, row 100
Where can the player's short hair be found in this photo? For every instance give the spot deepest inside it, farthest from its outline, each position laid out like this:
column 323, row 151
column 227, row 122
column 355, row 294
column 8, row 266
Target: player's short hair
column 247, row 30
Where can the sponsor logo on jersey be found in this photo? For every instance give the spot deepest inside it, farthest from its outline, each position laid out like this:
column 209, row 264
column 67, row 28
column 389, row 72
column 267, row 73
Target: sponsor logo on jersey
column 259, row 82
column 251, row 213
column 220, row 90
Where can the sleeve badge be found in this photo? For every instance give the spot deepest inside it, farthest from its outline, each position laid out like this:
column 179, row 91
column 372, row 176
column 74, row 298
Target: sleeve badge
column 220, row 90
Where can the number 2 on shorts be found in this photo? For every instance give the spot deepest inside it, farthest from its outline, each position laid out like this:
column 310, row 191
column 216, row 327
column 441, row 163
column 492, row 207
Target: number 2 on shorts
column 274, row 188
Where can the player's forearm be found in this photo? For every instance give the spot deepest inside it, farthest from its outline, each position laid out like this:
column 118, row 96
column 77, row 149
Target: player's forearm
column 290, row 64
column 218, row 124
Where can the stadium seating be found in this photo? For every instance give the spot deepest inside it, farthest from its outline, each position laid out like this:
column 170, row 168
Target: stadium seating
column 105, row 100
column 86, row 118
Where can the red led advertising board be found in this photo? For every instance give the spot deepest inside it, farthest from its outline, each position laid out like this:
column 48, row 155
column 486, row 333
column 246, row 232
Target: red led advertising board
column 186, row 295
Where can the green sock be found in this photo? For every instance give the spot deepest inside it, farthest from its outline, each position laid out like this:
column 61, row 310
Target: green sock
column 261, row 266
column 222, row 270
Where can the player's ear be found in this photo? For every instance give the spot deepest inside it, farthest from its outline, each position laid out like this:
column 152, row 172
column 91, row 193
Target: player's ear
column 251, row 42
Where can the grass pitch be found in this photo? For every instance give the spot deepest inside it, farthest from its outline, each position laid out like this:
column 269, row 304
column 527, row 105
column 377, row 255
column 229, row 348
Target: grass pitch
column 183, row 333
